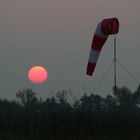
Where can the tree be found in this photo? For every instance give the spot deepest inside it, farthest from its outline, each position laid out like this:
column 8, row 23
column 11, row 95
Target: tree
column 110, row 103
column 91, row 103
column 136, row 96
column 124, row 98
column 26, row 96
column 61, row 96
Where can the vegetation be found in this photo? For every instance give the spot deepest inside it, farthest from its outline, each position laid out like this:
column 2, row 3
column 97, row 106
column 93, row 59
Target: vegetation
column 91, row 117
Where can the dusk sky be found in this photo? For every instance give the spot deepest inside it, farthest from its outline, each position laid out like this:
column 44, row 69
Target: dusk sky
column 57, row 34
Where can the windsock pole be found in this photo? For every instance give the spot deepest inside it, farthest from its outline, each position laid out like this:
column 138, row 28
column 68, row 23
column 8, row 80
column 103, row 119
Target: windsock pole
column 115, row 75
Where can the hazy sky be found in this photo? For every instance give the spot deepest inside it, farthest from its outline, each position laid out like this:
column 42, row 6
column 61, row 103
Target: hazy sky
column 57, row 34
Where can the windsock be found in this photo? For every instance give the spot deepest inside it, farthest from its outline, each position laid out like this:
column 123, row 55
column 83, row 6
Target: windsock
column 105, row 28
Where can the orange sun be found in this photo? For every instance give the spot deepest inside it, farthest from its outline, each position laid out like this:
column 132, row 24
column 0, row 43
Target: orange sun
column 37, row 74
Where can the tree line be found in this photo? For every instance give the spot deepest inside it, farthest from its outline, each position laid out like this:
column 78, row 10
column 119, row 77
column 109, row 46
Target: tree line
column 115, row 116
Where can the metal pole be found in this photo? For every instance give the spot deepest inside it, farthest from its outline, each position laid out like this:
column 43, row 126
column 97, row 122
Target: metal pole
column 115, row 83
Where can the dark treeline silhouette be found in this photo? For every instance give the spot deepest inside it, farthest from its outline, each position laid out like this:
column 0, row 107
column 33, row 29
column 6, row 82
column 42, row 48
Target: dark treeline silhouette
column 92, row 117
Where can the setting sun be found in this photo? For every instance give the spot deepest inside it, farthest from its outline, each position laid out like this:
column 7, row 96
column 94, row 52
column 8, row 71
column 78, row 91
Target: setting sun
column 37, row 74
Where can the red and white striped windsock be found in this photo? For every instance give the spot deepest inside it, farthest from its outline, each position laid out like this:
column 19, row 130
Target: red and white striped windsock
column 103, row 30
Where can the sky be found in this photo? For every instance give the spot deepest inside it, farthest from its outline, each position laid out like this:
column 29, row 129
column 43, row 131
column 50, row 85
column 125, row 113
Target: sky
column 57, row 34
